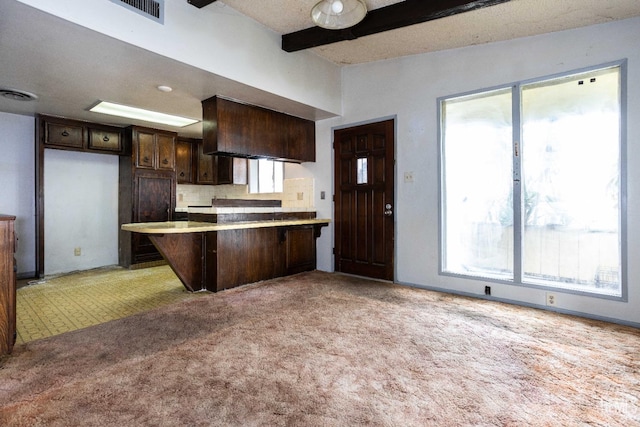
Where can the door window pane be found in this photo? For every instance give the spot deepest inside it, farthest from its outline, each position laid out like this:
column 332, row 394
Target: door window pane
column 571, row 182
column 477, row 185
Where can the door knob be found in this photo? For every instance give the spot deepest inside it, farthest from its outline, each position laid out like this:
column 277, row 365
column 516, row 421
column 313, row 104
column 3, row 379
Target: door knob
column 388, row 209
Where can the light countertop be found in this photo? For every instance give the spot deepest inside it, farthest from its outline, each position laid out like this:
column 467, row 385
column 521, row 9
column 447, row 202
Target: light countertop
column 177, row 227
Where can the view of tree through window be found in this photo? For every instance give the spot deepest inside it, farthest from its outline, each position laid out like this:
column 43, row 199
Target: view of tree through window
column 563, row 163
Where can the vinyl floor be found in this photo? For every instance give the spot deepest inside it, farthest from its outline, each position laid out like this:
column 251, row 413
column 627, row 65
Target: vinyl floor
column 73, row 301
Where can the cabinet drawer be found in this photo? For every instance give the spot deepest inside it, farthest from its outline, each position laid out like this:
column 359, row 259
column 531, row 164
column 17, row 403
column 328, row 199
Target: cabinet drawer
column 104, row 140
column 63, row 135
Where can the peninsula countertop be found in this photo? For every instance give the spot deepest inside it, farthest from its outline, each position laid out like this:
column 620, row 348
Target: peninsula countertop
column 182, row 227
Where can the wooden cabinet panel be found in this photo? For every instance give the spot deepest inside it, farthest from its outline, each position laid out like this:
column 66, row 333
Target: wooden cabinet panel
column 105, row 140
column 184, row 161
column 205, row 171
column 64, row 135
column 224, row 169
column 7, row 284
column 147, row 189
column 76, row 135
column 300, row 249
column 153, row 149
column 144, row 149
column 166, row 152
column 153, row 194
column 241, row 130
column 301, row 139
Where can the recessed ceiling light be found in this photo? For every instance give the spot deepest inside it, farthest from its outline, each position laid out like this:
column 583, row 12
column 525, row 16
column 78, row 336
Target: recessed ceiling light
column 129, row 112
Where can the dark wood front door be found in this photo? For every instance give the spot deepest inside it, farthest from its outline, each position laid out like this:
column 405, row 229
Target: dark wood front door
column 364, row 198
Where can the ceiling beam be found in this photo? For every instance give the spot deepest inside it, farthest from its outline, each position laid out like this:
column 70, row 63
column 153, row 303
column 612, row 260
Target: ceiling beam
column 200, row 3
column 386, row 18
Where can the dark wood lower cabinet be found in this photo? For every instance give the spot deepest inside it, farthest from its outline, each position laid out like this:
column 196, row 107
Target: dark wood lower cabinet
column 217, row 260
column 7, row 284
column 150, row 199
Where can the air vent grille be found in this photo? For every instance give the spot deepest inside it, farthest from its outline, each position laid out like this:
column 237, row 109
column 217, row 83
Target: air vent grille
column 17, row 95
column 152, row 9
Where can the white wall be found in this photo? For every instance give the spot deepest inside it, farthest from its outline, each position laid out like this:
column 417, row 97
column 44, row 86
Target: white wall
column 81, row 210
column 217, row 39
column 408, row 87
column 17, row 185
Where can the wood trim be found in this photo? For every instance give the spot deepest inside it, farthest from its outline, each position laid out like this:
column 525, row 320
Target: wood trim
column 39, row 169
column 398, row 15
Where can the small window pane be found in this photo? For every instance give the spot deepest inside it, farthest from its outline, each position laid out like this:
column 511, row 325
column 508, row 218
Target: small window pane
column 362, row 171
column 266, row 176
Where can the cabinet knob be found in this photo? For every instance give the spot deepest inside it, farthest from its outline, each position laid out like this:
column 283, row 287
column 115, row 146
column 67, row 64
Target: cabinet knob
column 65, row 133
column 165, row 161
column 145, row 159
column 106, row 138
column 204, row 174
column 181, row 173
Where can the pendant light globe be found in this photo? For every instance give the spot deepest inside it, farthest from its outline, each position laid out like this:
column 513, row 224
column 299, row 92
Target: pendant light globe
column 338, row 14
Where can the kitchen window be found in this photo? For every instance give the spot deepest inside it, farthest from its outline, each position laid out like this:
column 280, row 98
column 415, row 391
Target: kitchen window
column 266, row 176
column 533, row 183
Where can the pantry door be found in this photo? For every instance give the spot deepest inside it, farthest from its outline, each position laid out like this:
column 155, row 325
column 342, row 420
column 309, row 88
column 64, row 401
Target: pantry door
column 364, row 200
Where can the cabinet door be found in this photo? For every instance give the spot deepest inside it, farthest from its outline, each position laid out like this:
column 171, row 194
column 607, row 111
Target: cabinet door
column 224, row 169
column 153, row 201
column 145, row 150
column 184, row 161
column 301, row 139
column 105, row 140
column 64, row 135
column 300, row 250
column 166, row 152
column 205, row 172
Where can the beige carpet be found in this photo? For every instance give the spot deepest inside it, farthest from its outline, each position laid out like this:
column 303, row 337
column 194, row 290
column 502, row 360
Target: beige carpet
column 318, row 349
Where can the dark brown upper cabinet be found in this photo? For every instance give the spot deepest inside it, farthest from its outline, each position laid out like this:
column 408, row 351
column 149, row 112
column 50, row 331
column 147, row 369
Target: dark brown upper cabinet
column 76, row 135
column 184, row 160
column 241, row 130
column 153, row 149
column 193, row 166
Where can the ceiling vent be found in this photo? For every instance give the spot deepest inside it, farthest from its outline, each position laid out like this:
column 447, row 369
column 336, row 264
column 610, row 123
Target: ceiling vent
column 152, row 9
column 17, row 95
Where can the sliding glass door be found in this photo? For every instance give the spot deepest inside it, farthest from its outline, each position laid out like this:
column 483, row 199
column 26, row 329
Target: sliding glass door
column 532, row 183
column 571, row 181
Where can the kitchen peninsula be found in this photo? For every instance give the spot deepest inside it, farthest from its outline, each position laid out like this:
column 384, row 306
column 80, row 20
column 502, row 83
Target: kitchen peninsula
column 211, row 252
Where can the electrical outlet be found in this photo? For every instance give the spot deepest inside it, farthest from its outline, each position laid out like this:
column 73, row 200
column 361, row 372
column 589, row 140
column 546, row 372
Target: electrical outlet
column 551, row 299
column 77, row 252
column 408, row 177
column 300, row 196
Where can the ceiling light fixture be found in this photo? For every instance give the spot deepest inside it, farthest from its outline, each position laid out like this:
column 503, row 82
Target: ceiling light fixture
column 120, row 110
column 338, row 14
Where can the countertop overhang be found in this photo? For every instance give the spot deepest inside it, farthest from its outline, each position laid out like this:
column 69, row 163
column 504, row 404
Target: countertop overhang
column 235, row 210
column 181, row 227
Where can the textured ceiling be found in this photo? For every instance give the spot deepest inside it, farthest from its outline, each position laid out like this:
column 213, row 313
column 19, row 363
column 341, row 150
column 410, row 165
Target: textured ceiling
column 516, row 18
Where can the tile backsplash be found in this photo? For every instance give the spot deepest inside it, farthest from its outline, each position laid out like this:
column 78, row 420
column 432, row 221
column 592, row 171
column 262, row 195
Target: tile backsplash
column 298, row 193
